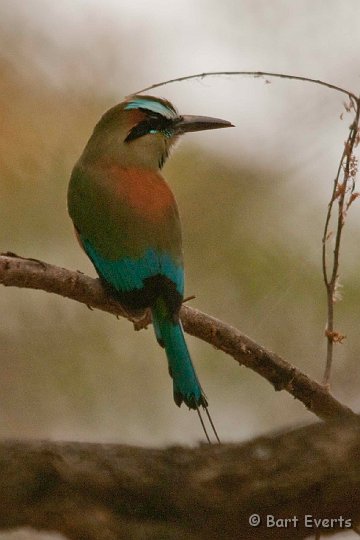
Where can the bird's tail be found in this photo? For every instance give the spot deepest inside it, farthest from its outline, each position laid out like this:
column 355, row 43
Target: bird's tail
column 187, row 388
column 170, row 335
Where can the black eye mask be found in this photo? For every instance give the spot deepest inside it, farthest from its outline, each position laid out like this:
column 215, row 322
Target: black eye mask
column 154, row 123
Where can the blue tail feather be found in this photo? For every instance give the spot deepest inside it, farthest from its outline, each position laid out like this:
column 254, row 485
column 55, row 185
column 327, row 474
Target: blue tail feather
column 170, row 335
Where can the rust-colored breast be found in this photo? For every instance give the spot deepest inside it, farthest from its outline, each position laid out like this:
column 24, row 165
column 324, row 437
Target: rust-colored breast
column 146, row 192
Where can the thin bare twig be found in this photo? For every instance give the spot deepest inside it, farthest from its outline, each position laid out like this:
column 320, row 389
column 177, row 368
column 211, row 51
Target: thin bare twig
column 344, row 196
column 28, row 273
column 340, row 191
column 251, row 74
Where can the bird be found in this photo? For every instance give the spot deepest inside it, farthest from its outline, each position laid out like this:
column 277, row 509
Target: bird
column 127, row 221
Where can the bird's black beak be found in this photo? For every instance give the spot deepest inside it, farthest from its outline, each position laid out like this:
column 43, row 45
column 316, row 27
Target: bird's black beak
column 187, row 123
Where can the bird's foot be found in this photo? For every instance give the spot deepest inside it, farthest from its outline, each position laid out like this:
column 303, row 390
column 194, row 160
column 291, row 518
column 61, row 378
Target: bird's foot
column 140, row 319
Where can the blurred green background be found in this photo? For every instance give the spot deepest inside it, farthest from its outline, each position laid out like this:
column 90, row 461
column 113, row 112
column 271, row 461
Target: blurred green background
column 252, row 199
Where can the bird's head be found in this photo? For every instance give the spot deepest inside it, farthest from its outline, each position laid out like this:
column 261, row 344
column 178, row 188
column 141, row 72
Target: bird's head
column 141, row 130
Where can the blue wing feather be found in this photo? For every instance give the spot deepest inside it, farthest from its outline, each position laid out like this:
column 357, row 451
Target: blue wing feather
column 128, row 274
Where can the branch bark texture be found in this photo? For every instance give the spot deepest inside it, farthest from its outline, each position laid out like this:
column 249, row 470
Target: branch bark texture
column 106, row 492
column 29, row 273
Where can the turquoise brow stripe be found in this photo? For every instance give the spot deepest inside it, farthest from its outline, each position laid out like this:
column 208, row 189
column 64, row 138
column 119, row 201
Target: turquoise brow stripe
column 150, row 105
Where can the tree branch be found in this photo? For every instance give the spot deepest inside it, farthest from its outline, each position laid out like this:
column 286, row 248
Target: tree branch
column 256, row 74
column 29, row 273
column 344, row 196
column 106, row 492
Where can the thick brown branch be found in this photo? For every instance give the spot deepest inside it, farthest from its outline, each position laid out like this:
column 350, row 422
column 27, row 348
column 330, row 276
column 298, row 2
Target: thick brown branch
column 28, row 273
column 106, row 492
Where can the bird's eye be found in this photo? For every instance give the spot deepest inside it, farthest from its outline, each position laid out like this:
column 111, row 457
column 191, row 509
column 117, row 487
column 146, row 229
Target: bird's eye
column 141, row 129
column 154, row 123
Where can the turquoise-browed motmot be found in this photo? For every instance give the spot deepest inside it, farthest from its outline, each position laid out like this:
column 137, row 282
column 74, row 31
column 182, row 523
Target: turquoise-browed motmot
column 126, row 219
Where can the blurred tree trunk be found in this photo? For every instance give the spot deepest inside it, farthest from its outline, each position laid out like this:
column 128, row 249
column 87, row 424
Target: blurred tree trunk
column 107, row 492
